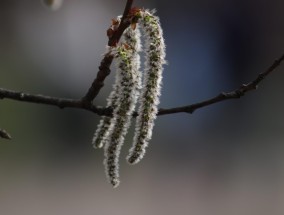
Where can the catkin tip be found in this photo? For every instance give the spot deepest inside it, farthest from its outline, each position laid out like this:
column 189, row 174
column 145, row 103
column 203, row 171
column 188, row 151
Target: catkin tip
column 115, row 183
column 132, row 160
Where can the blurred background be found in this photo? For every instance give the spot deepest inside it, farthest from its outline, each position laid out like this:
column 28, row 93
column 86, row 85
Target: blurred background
column 226, row 159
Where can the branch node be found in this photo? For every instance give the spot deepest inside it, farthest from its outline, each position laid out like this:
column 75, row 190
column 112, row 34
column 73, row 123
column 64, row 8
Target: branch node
column 223, row 95
column 190, row 110
column 239, row 93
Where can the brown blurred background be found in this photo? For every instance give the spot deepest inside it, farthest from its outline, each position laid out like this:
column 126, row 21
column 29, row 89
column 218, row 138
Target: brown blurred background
column 226, row 159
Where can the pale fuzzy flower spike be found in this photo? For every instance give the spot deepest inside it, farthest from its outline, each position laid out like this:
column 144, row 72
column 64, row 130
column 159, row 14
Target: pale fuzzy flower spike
column 132, row 37
column 149, row 99
column 103, row 129
column 127, row 58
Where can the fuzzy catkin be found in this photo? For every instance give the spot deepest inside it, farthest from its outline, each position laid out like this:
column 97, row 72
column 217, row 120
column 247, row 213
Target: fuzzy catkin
column 121, row 116
column 151, row 89
column 128, row 65
column 132, row 39
column 103, row 128
column 102, row 131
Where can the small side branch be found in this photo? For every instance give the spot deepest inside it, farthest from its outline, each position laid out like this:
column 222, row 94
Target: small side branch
column 104, row 68
column 225, row 96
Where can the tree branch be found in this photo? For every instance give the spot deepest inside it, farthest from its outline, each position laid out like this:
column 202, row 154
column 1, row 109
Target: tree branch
column 104, row 69
column 226, row 96
column 54, row 101
column 80, row 104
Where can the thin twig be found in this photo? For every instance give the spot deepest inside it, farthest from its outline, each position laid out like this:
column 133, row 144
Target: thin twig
column 104, row 69
column 4, row 134
column 225, row 96
column 80, row 104
column 54, row 101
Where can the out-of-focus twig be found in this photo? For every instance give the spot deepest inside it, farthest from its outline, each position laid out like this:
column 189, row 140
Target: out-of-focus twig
column 4, row 134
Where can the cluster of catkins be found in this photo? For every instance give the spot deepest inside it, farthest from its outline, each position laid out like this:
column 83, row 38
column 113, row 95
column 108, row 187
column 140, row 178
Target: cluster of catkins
column 131, row 88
